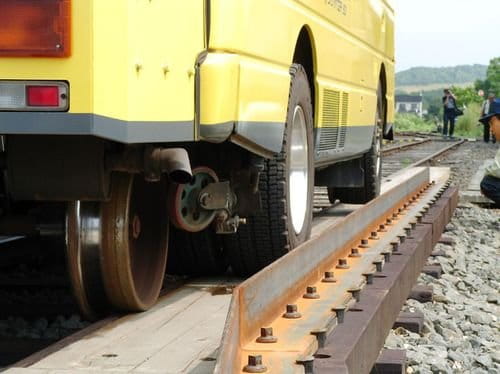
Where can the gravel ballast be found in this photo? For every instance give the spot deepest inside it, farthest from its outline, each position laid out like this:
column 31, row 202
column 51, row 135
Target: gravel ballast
column 462, row 324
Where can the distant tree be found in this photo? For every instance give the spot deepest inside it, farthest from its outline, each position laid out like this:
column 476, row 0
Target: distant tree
column 492, row 81
column 466, row 95
column 434, row 110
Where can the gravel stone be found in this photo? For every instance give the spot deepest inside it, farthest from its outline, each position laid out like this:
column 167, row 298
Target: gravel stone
column 485, row 360
column 461, row 332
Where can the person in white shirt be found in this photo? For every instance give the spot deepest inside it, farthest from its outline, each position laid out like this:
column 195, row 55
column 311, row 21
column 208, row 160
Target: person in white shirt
column 490, row 185
column 484, row 111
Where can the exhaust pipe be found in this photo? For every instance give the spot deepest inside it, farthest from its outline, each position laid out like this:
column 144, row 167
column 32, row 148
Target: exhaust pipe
column 173, row 161
column 153, row 161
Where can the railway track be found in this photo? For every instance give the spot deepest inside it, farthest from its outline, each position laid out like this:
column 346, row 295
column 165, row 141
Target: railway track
column 200, row 306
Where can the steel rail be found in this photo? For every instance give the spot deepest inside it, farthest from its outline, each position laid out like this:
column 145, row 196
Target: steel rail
column 260, row 301
column 399, row 147
column 435, row 154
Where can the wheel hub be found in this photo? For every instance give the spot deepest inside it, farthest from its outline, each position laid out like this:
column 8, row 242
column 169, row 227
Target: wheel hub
column 136, row 227
column 185, row 203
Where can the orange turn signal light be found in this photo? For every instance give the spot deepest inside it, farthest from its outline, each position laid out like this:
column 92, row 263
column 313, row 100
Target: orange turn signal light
column 35, row 28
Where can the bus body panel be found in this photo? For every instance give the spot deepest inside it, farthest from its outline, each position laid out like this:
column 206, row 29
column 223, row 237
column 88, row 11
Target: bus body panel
column 144, row 71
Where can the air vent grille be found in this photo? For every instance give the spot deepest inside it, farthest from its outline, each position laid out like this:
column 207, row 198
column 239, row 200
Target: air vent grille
column 334, row 120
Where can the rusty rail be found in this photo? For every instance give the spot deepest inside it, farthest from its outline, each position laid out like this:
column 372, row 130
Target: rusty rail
column 355, row 249
column 398, row 147
column 435, row 154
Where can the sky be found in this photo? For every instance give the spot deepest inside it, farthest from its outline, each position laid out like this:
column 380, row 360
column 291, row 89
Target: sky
column 446, row 32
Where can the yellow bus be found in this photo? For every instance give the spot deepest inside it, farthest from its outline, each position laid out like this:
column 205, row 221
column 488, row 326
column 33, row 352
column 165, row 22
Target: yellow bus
column 197, row 126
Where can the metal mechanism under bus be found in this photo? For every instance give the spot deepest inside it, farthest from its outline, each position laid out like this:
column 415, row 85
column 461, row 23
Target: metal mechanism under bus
column 186, row 136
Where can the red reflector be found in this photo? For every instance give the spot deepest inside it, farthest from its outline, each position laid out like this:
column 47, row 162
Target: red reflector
column 42, row 95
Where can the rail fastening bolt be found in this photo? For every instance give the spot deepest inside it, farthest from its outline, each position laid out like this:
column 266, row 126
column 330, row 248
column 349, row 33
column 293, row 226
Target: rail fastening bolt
column 394, row 216
column 266, row 335
column 374, row 235
column 308, row 361
column 364, row 243
column 407, row 230
column 388, row 222
column 369, row 278
column 292, row 312
column 395, row 246
column 378, row 265
column 402, row 238
column 355, row 252
column 311, row 293
column 382, row 228
column 342, row 264
column 329, row 277
column 400, row 210
column 255, row 365
column 320, row 335
column 413, row 225
column 340, row 313
column 355, row 292
column 387, row 256
column 419, row 218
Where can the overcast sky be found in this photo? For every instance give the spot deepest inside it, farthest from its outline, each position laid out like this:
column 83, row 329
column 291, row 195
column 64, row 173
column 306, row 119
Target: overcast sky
column 446, row 32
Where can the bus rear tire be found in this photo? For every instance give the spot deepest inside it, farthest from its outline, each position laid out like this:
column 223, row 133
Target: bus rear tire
column 286, row 186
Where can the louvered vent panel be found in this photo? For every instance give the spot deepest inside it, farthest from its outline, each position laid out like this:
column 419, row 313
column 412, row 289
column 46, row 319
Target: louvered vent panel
column 330, row 120
column 331, row 108
column 343, row 121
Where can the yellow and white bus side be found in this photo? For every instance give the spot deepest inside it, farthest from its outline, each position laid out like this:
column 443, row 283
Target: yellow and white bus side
column 193, row 127
column 134, row 67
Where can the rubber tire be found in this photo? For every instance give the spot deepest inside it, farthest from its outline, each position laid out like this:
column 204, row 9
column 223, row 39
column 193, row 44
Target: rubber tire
column 372, row 180
column 269, row 234
column 195, row 253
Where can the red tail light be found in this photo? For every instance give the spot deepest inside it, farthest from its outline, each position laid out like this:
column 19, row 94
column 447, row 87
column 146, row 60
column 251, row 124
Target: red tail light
column 35, row 28
column 42, row 96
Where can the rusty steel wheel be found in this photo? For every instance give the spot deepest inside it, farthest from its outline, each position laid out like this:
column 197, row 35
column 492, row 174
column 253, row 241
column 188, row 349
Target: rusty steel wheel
column 83, row 247
column 134, row 242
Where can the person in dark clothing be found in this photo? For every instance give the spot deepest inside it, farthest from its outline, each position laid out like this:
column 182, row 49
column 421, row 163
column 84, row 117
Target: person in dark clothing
column 449, row 113
column 485, row 109
column 490, row 185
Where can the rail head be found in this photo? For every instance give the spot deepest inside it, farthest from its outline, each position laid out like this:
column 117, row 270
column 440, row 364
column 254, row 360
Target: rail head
column 261, row 300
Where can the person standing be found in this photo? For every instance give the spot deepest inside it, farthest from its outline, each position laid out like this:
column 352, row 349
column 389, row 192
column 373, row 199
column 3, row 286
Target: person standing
column 490, row 185
column 485, row 109
column 449, row 113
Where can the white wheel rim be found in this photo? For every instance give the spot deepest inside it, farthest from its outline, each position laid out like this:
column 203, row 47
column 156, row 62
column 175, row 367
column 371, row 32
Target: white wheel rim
column 378, row 152
column 298, row 172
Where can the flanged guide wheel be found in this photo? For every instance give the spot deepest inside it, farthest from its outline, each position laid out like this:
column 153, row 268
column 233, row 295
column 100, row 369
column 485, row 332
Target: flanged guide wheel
column 135, row 242
column 83, row 248
column 184, row 206
column 117, row 250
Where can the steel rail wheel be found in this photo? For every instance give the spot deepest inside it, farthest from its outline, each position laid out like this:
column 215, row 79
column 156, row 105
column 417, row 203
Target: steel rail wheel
column 83, row 248
column 135, row 242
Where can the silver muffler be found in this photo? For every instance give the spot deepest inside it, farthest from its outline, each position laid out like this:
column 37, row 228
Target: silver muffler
column 153, row 162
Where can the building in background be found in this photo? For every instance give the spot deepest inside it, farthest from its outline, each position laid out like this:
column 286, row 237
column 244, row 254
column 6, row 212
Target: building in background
column 410, row 104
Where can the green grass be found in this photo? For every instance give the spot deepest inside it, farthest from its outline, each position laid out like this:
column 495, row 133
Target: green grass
column 468, row 124
column 411, row 122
